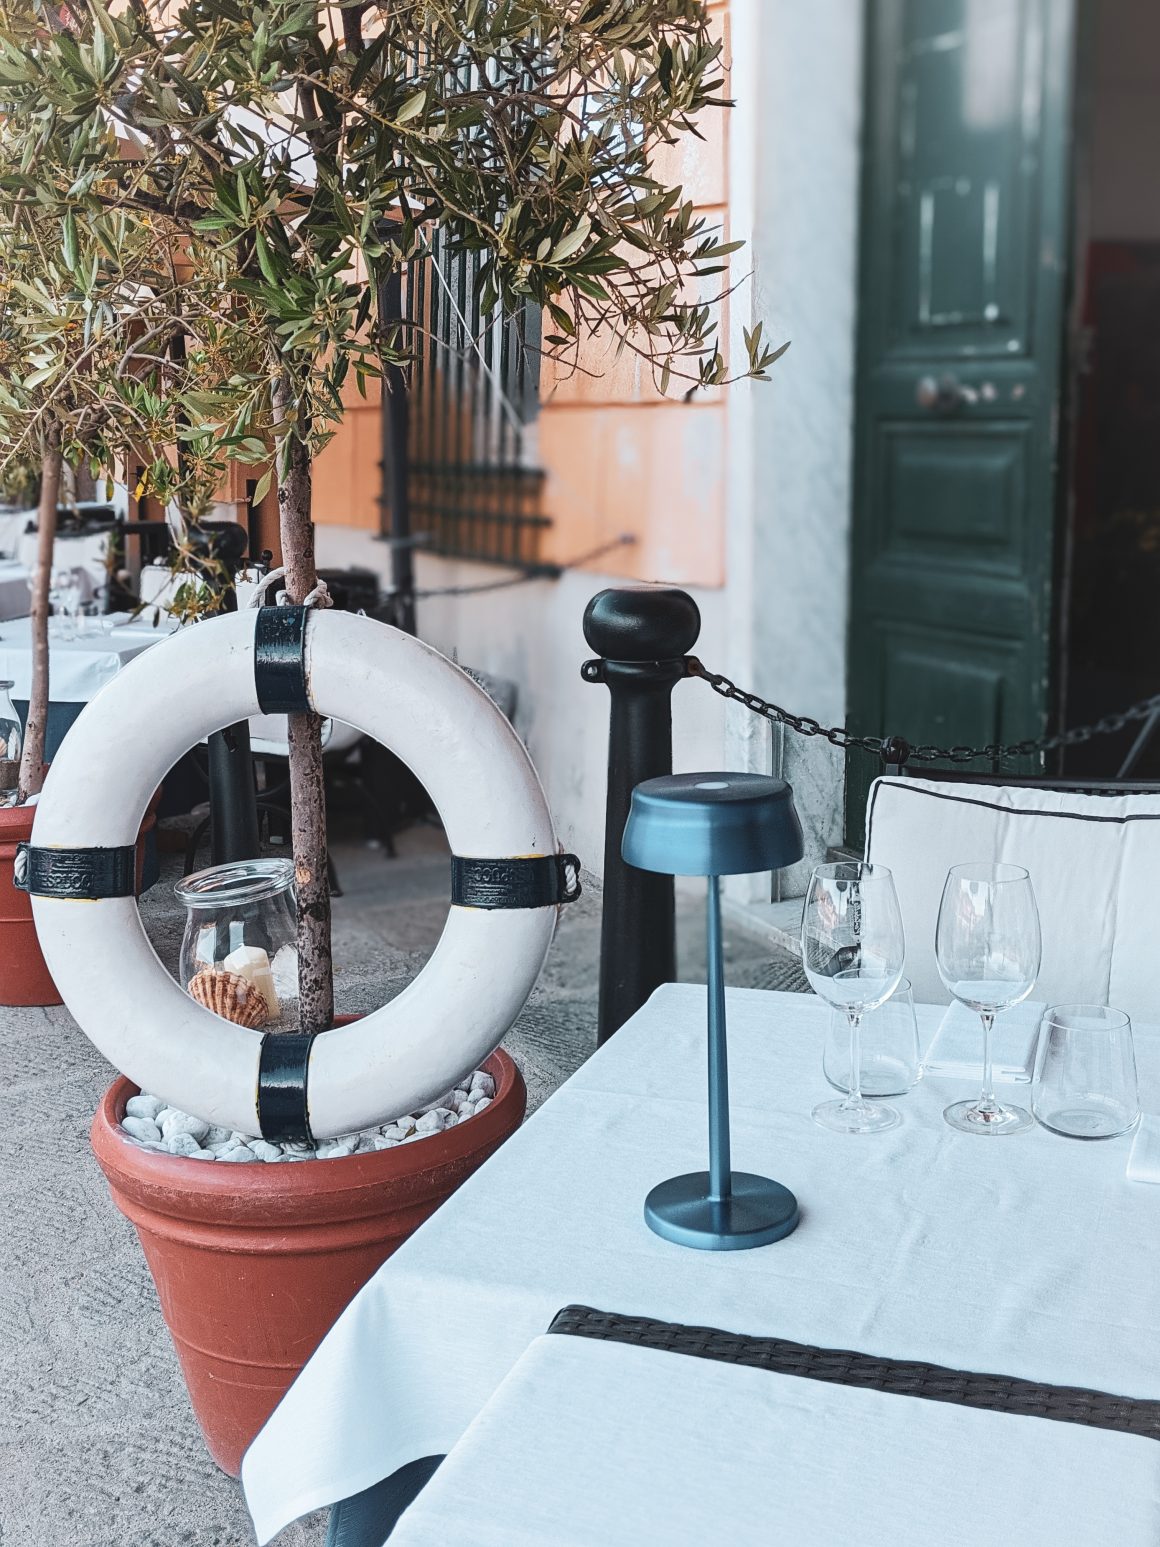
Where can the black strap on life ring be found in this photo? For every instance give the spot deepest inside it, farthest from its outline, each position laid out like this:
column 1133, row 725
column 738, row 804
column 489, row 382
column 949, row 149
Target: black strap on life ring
column 535, row 881
column 280, row 660
column 84, row 875
column 283, row 1112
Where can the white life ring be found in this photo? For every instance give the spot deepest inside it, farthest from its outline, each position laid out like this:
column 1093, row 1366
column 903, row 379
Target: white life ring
column 394, row 689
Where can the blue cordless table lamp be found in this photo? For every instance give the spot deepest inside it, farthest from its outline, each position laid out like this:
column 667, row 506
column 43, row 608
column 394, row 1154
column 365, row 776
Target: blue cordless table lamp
column 715, row 824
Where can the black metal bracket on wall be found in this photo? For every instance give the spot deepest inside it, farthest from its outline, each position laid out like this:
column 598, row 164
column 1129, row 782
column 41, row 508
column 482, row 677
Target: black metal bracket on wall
column 642, row 636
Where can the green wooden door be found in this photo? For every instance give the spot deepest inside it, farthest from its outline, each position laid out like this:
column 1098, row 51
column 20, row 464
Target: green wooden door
column 964, row 244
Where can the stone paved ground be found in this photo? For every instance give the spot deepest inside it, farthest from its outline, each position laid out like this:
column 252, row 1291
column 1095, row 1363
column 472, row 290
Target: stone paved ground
column 98, row 1447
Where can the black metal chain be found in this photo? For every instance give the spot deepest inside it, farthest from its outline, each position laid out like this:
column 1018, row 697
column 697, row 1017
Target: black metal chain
column 896, row 750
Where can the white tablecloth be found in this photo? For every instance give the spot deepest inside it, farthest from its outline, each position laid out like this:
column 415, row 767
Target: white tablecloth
column 1028, row 1255
column 77, row 668
column 590, row 1444
column 14, row 589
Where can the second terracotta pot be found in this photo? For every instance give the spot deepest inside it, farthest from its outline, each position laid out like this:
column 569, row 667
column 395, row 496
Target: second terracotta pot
column 253, row 1263
column 24, row 974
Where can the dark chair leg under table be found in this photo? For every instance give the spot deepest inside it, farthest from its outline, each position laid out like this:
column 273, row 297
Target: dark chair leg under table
column 366, row 1519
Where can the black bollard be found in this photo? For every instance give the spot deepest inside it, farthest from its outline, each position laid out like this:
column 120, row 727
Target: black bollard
column 642, row 635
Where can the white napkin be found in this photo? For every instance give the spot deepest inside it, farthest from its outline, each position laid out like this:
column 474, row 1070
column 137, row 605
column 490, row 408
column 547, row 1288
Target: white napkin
column 1144, row 1157
column 956, row 1049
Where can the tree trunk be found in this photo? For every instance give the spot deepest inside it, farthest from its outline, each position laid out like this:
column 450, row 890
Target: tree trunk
column 307, row 789
column 32, row 756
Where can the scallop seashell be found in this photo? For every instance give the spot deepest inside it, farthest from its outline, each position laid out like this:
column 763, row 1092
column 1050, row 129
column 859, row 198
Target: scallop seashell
column 231, row 997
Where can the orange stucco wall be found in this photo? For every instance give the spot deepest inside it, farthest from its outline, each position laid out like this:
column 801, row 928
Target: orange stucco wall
column 618, row 457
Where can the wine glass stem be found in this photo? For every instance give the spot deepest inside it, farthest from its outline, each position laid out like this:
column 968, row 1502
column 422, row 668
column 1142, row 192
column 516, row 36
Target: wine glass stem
column 987, row 1099
column 854, row 1095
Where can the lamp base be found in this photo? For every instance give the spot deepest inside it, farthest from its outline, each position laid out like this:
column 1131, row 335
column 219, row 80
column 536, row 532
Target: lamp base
column 756, row 1213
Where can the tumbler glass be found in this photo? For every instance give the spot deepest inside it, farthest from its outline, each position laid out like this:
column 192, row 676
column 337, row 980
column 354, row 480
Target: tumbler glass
column 890, row 1053
column 1086, row 1072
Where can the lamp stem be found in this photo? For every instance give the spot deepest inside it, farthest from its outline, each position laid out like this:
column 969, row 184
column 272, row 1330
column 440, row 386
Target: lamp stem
column 719, row 1162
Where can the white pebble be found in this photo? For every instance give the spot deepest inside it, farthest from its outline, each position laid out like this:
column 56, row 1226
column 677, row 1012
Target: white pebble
column 430, row 1122
column 398, row 1131
column 202, row 1155
column 182, row 1122
column 216, row 1135
column 265, row 1150
column 141, row 1129
column 240, row 1152
column 482, row 1083
column 336, row 1149
column 180, row 1144
column 479, row 1105
column 458, row 1097
column 383, row 1143
column 144, row 1106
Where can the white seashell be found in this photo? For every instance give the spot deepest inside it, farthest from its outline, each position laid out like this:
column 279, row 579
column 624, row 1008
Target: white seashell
column 180, row 1144
column 182, row 1122
column 265, row 1150
column 141, row 1129
column 144, row 1106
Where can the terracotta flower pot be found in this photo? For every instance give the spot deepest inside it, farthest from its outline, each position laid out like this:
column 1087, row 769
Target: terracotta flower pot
column 24, row 975
column 253, row 1263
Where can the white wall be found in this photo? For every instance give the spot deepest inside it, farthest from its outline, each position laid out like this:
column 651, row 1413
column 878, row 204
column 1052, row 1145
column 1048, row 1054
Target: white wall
column 794, row 195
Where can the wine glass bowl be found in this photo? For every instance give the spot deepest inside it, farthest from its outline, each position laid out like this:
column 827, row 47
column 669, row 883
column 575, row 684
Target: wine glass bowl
column 853, row 952
column 988, row 948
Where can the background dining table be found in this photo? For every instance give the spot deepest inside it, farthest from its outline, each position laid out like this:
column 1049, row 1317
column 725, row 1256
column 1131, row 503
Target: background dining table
column 1029, row 1256
column 78, row 667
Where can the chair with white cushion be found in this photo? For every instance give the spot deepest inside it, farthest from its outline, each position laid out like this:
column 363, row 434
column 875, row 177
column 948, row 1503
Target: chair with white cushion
column 1094, row 860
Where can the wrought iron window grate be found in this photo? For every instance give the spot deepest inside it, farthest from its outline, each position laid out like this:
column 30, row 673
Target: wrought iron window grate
column 475, row 492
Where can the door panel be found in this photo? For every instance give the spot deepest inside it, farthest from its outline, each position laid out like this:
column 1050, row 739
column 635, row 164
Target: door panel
column 961, row 315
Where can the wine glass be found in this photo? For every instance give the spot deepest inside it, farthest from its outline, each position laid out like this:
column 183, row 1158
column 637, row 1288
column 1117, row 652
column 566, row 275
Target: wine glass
column 853, row 950
column 988, row 948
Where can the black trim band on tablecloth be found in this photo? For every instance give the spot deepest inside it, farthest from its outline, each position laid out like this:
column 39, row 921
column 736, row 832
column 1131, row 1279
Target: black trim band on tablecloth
column 283, row 1110
column 280, row 660
column 533, row 881
column 83, row 875
column 843, row 1367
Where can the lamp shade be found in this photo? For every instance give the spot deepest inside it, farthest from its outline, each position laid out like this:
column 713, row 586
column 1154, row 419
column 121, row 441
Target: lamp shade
column 712, row 824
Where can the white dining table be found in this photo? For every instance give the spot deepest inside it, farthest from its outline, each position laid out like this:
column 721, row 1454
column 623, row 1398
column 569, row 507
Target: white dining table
column 603, row 1444
column 79, row 667
column 1028, row 1256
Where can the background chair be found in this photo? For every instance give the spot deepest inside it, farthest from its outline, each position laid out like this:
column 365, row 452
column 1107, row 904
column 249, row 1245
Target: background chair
column 1094, row 860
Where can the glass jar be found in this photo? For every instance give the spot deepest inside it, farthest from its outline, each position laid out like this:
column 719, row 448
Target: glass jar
column 239, row 955
column 10, row 744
